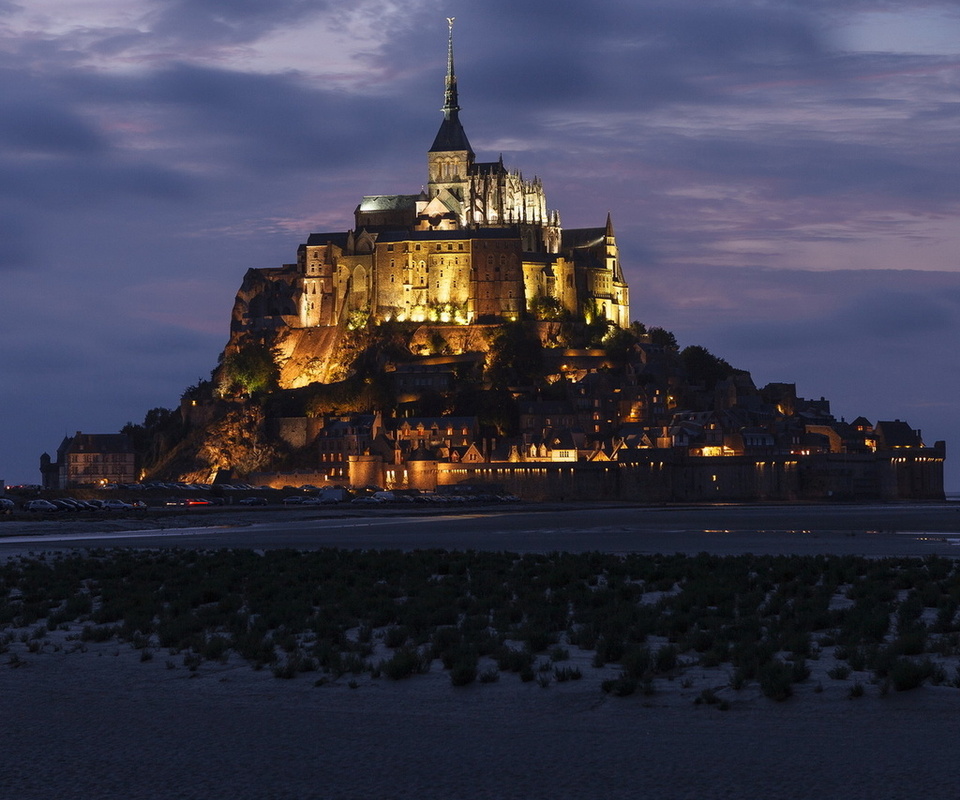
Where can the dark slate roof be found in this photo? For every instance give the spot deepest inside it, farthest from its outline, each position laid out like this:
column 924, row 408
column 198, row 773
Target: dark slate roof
column 451, row 136
column 897, row 434
column 100, row 443
column 583, row 237
column 339, row 239
column 488, row 168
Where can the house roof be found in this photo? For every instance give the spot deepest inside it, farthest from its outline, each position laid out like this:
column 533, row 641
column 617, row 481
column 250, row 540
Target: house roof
column 897, row 433
column 100, row 443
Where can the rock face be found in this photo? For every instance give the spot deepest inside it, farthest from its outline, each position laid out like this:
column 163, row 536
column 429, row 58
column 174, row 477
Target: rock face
column 309, row 355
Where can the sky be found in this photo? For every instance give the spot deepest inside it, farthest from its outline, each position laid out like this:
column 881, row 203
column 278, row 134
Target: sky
column 783, row 177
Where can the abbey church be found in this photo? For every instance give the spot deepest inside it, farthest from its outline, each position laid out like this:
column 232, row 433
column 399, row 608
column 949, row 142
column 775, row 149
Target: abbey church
column 478, row 244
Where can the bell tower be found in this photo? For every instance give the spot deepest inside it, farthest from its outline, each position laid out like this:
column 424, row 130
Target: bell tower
column 450, row 158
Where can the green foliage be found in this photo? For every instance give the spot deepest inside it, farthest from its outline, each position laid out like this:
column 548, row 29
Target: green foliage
column 358, row 318
column 252, row 369
column 620, row 343
column 543, row 307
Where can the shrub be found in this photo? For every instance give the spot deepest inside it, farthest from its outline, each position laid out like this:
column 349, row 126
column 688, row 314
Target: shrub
column 667, row 659
column 404, row 663
column 97, row 633
column 906, row 674
column 395, row 636
column 464, row 671
column 558, row 653
column 800, row 671
column 563, row 674
column 840, row 672
column 623, row 686
column 636, row 661
column 776, row 680
column 489, row 675
column 708, row 696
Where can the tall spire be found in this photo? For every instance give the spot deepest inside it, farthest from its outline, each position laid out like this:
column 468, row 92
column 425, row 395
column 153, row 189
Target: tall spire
column 450, row 102
column 451, row 136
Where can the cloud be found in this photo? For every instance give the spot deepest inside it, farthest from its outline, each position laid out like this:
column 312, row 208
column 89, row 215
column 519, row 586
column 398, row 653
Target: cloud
column 149, row 157
column 228, row 21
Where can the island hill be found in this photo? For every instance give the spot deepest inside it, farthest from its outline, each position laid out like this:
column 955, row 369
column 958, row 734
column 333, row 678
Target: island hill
column 461, row 337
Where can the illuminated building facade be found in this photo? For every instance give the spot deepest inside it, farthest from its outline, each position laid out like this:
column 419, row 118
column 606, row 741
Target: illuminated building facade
column 477, row 244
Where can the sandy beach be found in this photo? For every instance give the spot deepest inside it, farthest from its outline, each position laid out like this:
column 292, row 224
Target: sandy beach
column 103, row 724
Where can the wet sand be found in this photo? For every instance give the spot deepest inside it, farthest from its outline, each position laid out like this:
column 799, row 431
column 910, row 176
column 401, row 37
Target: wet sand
column 102, row 725
column 872, row 530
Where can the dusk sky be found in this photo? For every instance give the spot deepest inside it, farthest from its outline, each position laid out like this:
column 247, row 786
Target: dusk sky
column 783, row 175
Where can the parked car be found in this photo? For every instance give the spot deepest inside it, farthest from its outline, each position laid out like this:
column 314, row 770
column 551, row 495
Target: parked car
column 253, row 501
column 368, row 500
column 39, row 505
column 115, row 505
column 7, row 505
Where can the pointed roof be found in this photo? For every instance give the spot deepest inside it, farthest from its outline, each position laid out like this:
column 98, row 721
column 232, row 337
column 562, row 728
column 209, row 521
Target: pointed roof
column 451, row 135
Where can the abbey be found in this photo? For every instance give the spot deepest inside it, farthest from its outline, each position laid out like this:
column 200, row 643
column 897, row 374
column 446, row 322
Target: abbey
column 477, row 244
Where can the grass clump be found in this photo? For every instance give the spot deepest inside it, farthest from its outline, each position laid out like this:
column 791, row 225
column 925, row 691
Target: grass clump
column 405, row 662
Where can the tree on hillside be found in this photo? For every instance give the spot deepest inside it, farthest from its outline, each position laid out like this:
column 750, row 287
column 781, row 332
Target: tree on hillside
column 161, row 429
column 662, row 337
column 704, row 367
column 252, row 369
column 544, row 307
column 620, row 343
column 516, row 356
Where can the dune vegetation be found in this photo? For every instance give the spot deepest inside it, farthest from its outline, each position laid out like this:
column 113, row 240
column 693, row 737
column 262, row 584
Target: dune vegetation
column 758, row 621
